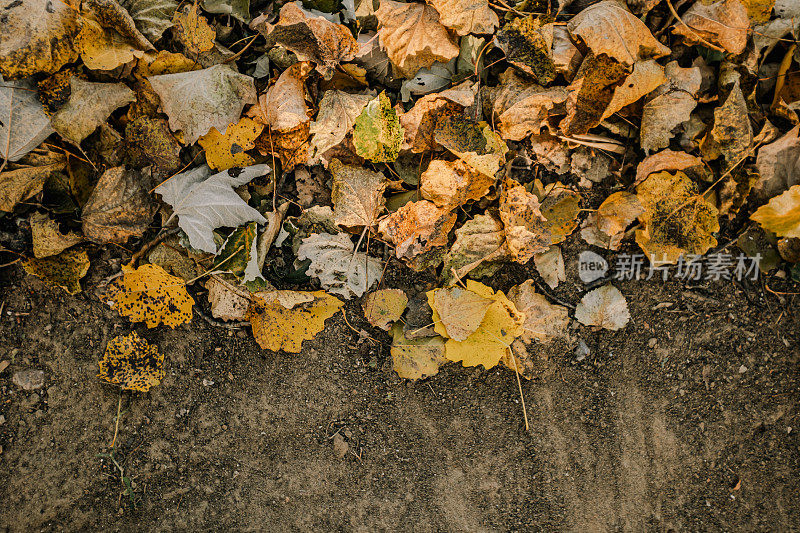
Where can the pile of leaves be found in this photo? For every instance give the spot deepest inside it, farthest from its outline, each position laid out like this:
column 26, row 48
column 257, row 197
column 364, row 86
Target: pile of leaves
column 269, row 150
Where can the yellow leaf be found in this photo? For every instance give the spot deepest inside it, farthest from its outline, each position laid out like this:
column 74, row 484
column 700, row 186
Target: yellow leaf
column 193, row 30
column 63, row 270
column 282, row 320
column 132, row 363
column 501, row 324
column 47, row 238
column 227, row 150
column 385, row 306
column 148, row 294
column 416, row 358
column 782, row 214
column 104, row 48
column 460, row 312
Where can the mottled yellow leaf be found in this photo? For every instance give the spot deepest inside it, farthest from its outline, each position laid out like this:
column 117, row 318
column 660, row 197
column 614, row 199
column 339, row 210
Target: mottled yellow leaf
column 227, row 150
column 193, row 31
column 148, row 294
column 132, row 363
column 64, row 270
column 385, row 306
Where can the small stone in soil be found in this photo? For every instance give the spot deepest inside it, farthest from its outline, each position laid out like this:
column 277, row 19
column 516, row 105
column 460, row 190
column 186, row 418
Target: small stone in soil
column 29, row 379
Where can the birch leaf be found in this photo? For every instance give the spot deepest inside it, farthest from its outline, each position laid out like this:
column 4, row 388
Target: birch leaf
column 337, row 115
column 89, row 105
column 378, row 134
column 132, row 363
column 782, row 214
column 466, row 16
column 228, row 150
column 23, row 122
column 604, row 307
column 416, row 358
column 148, row 294
column 47, row 238
column 385, row 306
column 64, row 270
column 357, row 195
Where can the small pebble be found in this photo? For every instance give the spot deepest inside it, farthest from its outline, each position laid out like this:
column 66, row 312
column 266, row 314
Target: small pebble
column 29, row 379
column 742, row 369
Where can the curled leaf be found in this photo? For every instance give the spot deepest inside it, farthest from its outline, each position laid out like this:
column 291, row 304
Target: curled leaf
column 782, row 214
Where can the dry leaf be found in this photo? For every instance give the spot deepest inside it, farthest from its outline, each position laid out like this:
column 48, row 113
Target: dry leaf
column 132, row 363
column 238, row 255
column 152, row 17
column 337, row 116
column 19, row 184
column 420, row 122
column 646, row 77
column 417, row 227
column 282, row 320
column 778, row 164
column 522, row 108
column 383, row 307
column 592, row 91
column 416, row 358
column 413, row 37
column 64, row 270
column 228, row 150
column 225, row 303
column 528, row 44
column 781, row 215
column 149, row 142
column 550, row 265
column 477, row 250
column 339, row 268
column 314, row 39
column 661, row 116
column 193, row 31
column 148, row 294
column 459, row 311
column 120, row 207
column 603, row 307
column 378, row 135
column 560, row 207
column 357, row 195
column 47, row 238
column 731, row 135
column 473, row 142
column 525, row 226
column 466, row 16
column 101, row 46
column 668, row 160
column 606, row 226
column 544, row 322
column 450, row 184
column 23, row 121
column 724, row 23
column 89, row 105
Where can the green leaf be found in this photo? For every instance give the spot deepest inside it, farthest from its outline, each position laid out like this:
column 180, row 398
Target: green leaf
column 378, row 134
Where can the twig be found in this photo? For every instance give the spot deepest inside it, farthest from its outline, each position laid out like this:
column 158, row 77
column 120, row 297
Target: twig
column 519, row 385
column 116, row 425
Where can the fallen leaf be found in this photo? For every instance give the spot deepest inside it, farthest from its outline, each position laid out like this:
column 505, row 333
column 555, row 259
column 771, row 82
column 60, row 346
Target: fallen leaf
column 238, row 9
column 226, row 304
column 603, row 307
column 89, row 105
column 466, row 16
column 101, row 46
column 204, row 202
column 192, row 30
column 120, row 207
column 592, row 91
column 473, row 142
column 413, row 37
column 339, row 268
column 723, row 23
column 660, row 117
column 608, row 27
column 47, row 238
column 148, row 294
column 416, row 358
column 550, row 265
column 606, row 226
column 668, row 160
column 337, row 115
column 200, row 100
column 378, row 135
column 149, row 142
column 421, row 121
column 314, row 39
column 525, row 226
column 23, row 122
column 781, row 215
column 238, row 254
column 527, row 44
column 64, row 270
column 19, row 184
column 560, row 207
column 371, row 56
column 646, row 77
column 450, row 184
column 778, row 165
column 152, row 17
column 416, row 228
column 566, row 56
column 280, row 327
column 477, row 250
column 132, row 363
column 229, row 150
column 357, row 195
column 460, row 312
column 544, row 322
column 110, row 14
column 176, row 260
column 37, row 36
column 383, row 307
column 676, row 219
column 731, row 135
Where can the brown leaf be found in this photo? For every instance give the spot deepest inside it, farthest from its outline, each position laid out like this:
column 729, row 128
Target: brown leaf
column 466, row 16
column 450, row 184
column 606, row 227
column 420, row 122
column 337, row 115
column 119, row 208
column 478, row 247
column 413, row 37
column 560, row 207
column 731, row 135
column 311, row 38
column 661, row 115
column 47, row 238
column 528, row 45
column 357, row 195
column 193, row 31
column 89, row 105
column 778, row 164
column 417, row 227
column 668, row 160
column 592, row 91
column 525, row 226
column 28, row 179
column 544, row 322
column 149, row 142
column 724, row 23
column 645, row 78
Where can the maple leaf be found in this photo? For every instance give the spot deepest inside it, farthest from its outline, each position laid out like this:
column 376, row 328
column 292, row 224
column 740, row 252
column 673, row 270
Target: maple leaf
column 357, row 194
column 23, row 122
column 337, row 115
column 132, row 363
column 228, row 150
column 64, row 270
column 416, row 358
column 339, row 269
column 378, row 135
column 204, row 202
column 89, row 105
column 383, row 307
column 781, row 215
column 120, row 207
column 148, row 294
column 604, row 307
column 466, row 16
column 47, row 238
column 282, row 320
column 193, row 31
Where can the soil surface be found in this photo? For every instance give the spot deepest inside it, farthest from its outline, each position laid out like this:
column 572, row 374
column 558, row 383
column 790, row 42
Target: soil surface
column 686, row 420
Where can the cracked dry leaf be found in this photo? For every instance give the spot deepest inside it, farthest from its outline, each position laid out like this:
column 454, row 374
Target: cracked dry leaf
column 19, row 184
column 228, row 150
column 193, row 31
column 152, row 17
column 378, row 134
column 148, row 294
column 724, row 23
column 591, row 92
column 527, row 44
column 225, row 303
column 522, row 108
column 23, row 121
column 238, row 254
column 450, row 184
column 37, row 36
column 525, row 226
column 89, row 105
column 357, row 195
column 603, row 307
column 544, row 322
column 487, row 345
column 460, row 312
column 676, row 219
column 416, row 228
column 413, row 37
column 477, row 250
column 560, row 206
column 311, row 38
column 337, row 115
column 781, row 215
column 608, row 27
column 646, row 77
column 416, row 358
column 64, row 270
column 199, row 100
column 606, row 226
column 473, row 142
column 383, row 307
column 338, row 267
column 421, row 121
column 731, row 135
column 148, row 142
column 120, row 207
column 550, row 265
column 47, row 237
column 282, row 320
column 132, row 363
column 466, row 16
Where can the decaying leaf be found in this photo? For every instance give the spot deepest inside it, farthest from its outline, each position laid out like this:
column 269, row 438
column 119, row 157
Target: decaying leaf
column 378, row 135
column 229, row 150
column 64, row 270
column 152, row 17
column 337, row 115
column 357, row 195
column 238, row 254
column 132, row 363
column 282, row 320
column 338, row 267
column 560, row 207
column 421, row 121
column 603, row 307
column 120, row 207
column 383, row 307
column 525, row 226
column 23, row 122
column 192, row 30
column 450, row 184
column 148, row 294
column 724, row 23
column 150, row 143
column 238, row 9
column 176, row 260
column 592, row 91
column 204, row 202
column 20, row 184
column 466, row 16
column 646, row 77
column 413, row 37
column 416, row 358
column 89, row 105
column 102, row 47
column 662, row 115
column 311, row 38
column 668, row 160
column 731, row 135
column 676, row 219
column 781, row 215
column 47, row 238
column 544, row 322
column 522, row 108
column 550, row 265
column 199, row 100
column 460, row 312
column 528, row 43
column 488, row 343
column 778, row 165
column 226, row 304
column 606, row 226
column 417, row 227
column 473, row 142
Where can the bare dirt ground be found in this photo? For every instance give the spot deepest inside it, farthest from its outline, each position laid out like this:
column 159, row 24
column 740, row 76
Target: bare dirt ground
column 686, row 420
